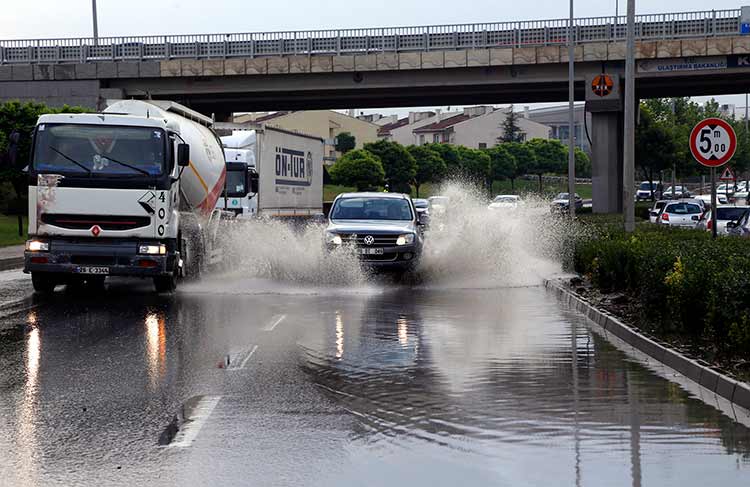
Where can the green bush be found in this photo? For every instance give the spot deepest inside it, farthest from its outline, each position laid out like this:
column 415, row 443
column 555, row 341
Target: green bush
column 686, row 284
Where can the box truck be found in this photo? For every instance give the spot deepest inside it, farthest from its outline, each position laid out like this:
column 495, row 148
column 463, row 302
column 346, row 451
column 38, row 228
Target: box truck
column 273, row 172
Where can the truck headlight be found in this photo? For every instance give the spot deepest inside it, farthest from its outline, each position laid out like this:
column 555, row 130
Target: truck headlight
column 37, row 246
column 405, row 239
column 152, row 249
column 333, row 238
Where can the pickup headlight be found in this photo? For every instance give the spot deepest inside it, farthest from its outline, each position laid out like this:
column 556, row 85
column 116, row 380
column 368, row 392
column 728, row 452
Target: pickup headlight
column 152, row 249
column 333, row 238
column 37, row 246
column 405, row 239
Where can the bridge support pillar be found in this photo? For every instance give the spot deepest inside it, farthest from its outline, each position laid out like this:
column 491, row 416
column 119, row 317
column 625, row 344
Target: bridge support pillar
column 604, row 101
column 606, row 160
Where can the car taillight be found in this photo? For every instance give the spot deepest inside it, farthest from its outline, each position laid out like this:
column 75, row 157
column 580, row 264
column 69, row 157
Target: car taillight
column 665, row 217
column 709, row 224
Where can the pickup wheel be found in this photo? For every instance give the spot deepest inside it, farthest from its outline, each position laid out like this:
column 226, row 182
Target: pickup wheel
column 43, row 282
column 165, row 284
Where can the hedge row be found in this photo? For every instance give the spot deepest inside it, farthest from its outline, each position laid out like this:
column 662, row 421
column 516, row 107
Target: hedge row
column 686, row 284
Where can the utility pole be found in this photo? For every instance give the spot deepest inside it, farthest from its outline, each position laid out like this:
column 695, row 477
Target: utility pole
column 571, row 119
column 628, row 165
column 96, row 22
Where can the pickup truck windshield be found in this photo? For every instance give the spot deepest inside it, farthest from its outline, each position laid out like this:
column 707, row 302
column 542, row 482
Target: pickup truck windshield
column 99, row 150
column 371, row 209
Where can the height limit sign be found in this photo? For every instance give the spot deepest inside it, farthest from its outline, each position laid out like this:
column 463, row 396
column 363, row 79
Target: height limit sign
column 713, row 142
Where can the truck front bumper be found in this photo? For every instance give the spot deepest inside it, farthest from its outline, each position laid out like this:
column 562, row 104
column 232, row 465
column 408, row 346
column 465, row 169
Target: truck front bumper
column 113, row 258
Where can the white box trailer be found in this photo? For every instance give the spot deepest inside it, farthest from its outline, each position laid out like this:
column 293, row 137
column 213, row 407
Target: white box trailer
column 289, row 167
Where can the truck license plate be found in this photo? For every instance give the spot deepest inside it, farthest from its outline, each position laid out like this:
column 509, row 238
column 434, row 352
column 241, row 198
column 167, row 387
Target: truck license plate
column 92, row 270
column 375, row 251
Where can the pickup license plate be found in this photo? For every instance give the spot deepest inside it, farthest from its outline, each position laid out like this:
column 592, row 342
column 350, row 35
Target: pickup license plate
column 92, row 270
column 375, row 251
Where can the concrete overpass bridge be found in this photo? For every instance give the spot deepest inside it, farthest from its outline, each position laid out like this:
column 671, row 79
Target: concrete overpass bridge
column 684, row 53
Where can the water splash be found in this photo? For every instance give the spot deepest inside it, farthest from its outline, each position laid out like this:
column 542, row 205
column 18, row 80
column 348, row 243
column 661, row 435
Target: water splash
column 469, row 246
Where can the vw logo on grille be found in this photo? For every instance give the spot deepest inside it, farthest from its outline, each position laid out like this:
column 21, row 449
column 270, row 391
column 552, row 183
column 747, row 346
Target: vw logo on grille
column 369, row 240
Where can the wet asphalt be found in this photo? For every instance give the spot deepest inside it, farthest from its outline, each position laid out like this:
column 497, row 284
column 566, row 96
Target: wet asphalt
column 252, row 382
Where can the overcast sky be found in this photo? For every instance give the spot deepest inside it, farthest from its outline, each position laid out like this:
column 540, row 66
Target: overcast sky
column 23, row 19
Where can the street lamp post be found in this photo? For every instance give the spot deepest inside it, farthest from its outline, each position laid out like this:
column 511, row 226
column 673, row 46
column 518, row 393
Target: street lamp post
column 628, row 166
column 96, row 23
column 571, row 119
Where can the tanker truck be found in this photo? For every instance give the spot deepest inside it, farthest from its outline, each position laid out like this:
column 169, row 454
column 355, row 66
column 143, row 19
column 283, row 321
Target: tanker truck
column 131, row 191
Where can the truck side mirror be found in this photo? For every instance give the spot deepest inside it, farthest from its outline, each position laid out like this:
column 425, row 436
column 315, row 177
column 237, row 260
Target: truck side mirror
column 183, row 155
column 252, row 182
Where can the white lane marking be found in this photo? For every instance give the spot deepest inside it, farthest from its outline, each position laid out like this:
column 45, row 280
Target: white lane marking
column 237, row 365
column 198, row 417
column 272, row 325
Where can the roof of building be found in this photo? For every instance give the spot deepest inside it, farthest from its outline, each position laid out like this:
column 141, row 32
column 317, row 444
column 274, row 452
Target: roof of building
column 443, row 124
column 271, row 116
column 386, row 129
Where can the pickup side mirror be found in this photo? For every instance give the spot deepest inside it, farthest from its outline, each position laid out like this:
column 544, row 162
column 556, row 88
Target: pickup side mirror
column 423, row 219
column 731, row 224
column 183, row 155
column 252, row 181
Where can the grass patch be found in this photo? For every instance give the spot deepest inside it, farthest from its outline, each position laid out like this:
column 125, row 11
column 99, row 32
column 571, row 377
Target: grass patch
column 9, row 230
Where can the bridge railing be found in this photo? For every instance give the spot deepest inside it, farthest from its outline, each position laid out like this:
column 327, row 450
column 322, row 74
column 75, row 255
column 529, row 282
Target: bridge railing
column 710, row 23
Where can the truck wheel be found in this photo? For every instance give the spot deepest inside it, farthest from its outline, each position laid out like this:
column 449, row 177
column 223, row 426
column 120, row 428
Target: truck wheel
column 165, row 284
column 192, row 260
column 43, row 282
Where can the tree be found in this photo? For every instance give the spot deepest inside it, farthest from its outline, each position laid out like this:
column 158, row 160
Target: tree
column 474, row 163
column 583, row 164
column 450, row 156
column 655, row 148
column 400, row 167
column 524, row 157
column 21, row 118
column 502, row 164
column 345, row 142
column 358, row 168
column 551, row 157
column 430, row 166
column 511, row 131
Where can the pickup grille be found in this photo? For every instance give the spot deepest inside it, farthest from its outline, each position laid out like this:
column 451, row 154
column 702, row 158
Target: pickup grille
column 105, row 222
column 379, row 240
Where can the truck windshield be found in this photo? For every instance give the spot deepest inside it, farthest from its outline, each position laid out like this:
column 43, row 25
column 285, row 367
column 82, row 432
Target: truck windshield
column 99, row 150
column 371, row 209
column 235, row 183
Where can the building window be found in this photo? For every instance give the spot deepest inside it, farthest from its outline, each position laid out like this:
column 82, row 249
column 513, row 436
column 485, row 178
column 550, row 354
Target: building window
column 421, row 139
column 482, row 145
column 436, row 138
column 522, row 136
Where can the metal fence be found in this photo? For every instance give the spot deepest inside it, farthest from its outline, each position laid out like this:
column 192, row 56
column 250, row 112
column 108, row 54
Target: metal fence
column 711, row 23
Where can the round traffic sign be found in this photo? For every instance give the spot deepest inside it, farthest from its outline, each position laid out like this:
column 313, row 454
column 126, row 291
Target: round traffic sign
column 713, row 142
column 602, row 85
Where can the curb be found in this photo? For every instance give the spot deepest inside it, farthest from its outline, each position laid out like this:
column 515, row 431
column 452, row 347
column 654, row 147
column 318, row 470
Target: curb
column 734, row 391
column 11, row 263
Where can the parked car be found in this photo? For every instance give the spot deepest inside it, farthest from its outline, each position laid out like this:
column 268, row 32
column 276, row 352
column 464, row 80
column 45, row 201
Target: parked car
column 653, row 214
column 562, row 202
column 384, row 229
column 505, row 202
column 648, row 190
column 681, row 214
column 724, row 215
column 681, row 192
column 706, row 199
column 740, row 228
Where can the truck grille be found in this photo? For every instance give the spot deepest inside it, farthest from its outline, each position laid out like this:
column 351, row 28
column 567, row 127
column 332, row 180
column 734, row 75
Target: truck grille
column 105, row 222
column 378, row 240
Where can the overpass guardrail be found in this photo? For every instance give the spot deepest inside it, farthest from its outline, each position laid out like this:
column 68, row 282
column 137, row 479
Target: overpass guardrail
column 710, row 23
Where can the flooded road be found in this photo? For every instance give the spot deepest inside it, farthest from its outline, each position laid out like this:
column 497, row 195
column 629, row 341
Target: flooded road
column 255, row 382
